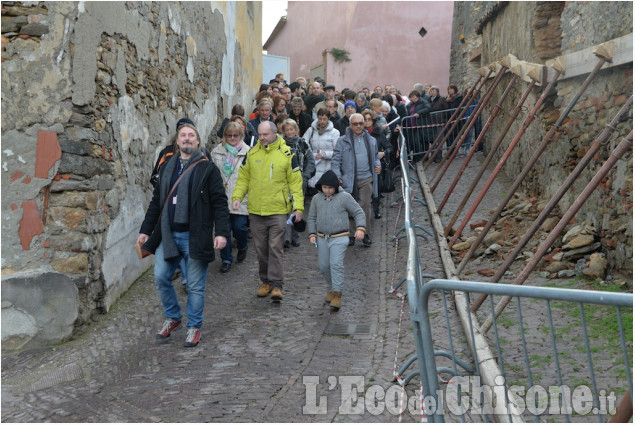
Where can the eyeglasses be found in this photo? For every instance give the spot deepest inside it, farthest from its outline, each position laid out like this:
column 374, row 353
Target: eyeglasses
column 358, row 123
column 229, row 136
column 368, row 119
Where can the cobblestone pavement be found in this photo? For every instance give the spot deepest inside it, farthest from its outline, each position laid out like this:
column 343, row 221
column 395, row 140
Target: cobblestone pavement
column 254, row 356
column 257, row 361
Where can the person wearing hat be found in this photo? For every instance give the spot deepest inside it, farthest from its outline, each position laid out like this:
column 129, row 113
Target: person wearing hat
column 328, row 230
column 329, row 94
column 187, row 219
column 166, row 153
column 344, row 122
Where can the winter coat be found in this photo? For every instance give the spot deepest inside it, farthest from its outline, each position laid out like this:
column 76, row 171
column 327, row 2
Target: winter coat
column 329, row 214
column 256, row 121
column 207, row 211
column 219, row 154
column 324, row 144
column 272, row 177
column 342, row 125
column 301, row 149
column 303, row 120
column 344, row 162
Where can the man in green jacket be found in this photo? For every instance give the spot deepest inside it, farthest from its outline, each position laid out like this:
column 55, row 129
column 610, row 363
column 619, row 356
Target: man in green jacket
column 272, row 176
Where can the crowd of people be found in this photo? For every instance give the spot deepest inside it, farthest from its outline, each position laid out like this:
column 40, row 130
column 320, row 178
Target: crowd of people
column 299, row 142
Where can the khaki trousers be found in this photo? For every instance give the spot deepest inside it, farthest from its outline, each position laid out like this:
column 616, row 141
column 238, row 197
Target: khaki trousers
column 268, row 238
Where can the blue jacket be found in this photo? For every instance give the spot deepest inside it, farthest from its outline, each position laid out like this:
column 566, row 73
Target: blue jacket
column 344, row 163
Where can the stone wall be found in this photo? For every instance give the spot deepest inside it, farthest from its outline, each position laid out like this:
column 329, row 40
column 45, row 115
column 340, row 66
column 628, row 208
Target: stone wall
column 494, row 29
column 91, row 92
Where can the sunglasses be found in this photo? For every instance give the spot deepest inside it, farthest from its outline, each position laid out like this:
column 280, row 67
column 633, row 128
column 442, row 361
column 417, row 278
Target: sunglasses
column 230, row 136
column 357, row 123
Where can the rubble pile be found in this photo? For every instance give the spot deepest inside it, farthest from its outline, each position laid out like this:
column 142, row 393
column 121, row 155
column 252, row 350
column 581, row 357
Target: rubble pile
column 576, row 253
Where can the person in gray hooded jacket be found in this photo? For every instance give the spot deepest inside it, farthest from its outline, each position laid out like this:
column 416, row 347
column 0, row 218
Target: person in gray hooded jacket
column 356, row 164
column 328, row 230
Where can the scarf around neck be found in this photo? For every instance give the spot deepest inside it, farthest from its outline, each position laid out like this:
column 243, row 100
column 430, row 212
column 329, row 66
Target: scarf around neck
column 232, row 158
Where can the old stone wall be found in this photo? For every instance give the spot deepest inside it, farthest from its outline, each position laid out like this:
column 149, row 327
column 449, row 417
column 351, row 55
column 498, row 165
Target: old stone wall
column 536, row 32
column 91, row 92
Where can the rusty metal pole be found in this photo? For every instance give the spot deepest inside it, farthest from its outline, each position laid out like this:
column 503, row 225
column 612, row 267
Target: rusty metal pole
column 472, row 96
column 492, row 117
column 625, row 145
column 506, row 154
column 471, row 120
column 593, row 149
column 465, row 101
column 491, row 154
column 532, row 161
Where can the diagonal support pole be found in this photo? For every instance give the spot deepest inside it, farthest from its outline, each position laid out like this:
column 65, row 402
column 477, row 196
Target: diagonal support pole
column 625, row 145
column 534, row 158
column 490, row 155
column 593, row 149
column 492, row 117
column 462, row 112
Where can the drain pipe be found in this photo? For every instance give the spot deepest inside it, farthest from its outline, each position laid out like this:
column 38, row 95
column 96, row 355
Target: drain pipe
column 625, row 145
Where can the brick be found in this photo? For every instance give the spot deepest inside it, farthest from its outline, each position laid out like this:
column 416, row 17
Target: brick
column 30, row 225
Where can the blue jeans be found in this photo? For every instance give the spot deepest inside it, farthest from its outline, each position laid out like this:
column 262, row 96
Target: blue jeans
column 196, row 277
column 238, row 224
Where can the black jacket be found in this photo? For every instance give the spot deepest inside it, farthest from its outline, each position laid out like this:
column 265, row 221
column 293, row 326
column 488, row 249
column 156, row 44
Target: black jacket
column 208, row 209
column 342, row 124
column 303, row 120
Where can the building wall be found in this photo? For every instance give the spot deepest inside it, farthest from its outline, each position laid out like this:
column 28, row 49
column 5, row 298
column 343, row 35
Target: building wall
column 557, row 28
column 382, row 39
column 91, row 92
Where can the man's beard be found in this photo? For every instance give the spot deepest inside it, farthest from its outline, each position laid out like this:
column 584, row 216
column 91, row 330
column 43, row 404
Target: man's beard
column 188, row 150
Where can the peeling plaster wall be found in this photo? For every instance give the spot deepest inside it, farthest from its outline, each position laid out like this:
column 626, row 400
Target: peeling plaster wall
column 91, row 92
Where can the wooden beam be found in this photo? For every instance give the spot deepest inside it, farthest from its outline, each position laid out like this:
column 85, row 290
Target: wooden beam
column 618, row 51
column 487, row 361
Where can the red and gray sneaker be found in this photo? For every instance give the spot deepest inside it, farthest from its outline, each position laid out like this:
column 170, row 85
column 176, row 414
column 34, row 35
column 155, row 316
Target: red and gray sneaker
column 169, row 326
column 193, row 337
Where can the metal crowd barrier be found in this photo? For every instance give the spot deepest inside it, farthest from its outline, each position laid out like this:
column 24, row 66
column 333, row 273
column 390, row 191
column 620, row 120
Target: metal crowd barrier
column 422, row 132
column 546, row 364
column 542, row 366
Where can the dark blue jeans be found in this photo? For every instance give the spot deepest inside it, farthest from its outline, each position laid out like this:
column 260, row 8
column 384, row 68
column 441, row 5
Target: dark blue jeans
column 238, row 224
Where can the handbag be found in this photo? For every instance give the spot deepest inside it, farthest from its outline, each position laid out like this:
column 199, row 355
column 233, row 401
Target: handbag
column 143, row 253
column 386, row 182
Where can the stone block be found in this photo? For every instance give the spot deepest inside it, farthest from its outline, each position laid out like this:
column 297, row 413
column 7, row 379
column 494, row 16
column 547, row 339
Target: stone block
column 43, row 310
column 73, row 242
column 76, row 147
column 83, row 166
column 597, row 266
column 492, row 237
column 13, row 23
column 73, row 265
column 68, row 218
column 579, row 242
column 34, row 30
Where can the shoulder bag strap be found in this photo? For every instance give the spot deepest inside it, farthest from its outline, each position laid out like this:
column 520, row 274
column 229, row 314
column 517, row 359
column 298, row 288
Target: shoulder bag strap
column 176, row 183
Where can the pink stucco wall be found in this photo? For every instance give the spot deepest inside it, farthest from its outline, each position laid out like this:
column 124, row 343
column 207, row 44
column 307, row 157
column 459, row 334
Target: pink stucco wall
column 382, row 38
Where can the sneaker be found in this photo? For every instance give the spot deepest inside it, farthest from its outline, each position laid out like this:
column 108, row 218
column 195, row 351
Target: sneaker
column 367, row 242
column 264, row 290
column 242, row 254
column 169, row 326
column 336, row 302
column 351, row 240
column 329, row 296
column 287, row 245
column 193, row 337
column 224, row 268
column 276, row 294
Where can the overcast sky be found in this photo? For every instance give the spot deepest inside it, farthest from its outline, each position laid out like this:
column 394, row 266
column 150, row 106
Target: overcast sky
column 272, row 10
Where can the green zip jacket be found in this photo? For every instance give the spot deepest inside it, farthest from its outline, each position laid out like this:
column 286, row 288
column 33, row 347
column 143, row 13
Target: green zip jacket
column 271, row 175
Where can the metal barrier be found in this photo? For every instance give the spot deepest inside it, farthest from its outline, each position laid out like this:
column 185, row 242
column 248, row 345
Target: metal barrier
column 519, row 381
column 543, row 362
column 420, row 132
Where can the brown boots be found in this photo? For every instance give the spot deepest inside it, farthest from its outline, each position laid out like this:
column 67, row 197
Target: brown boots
column 336, row 299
